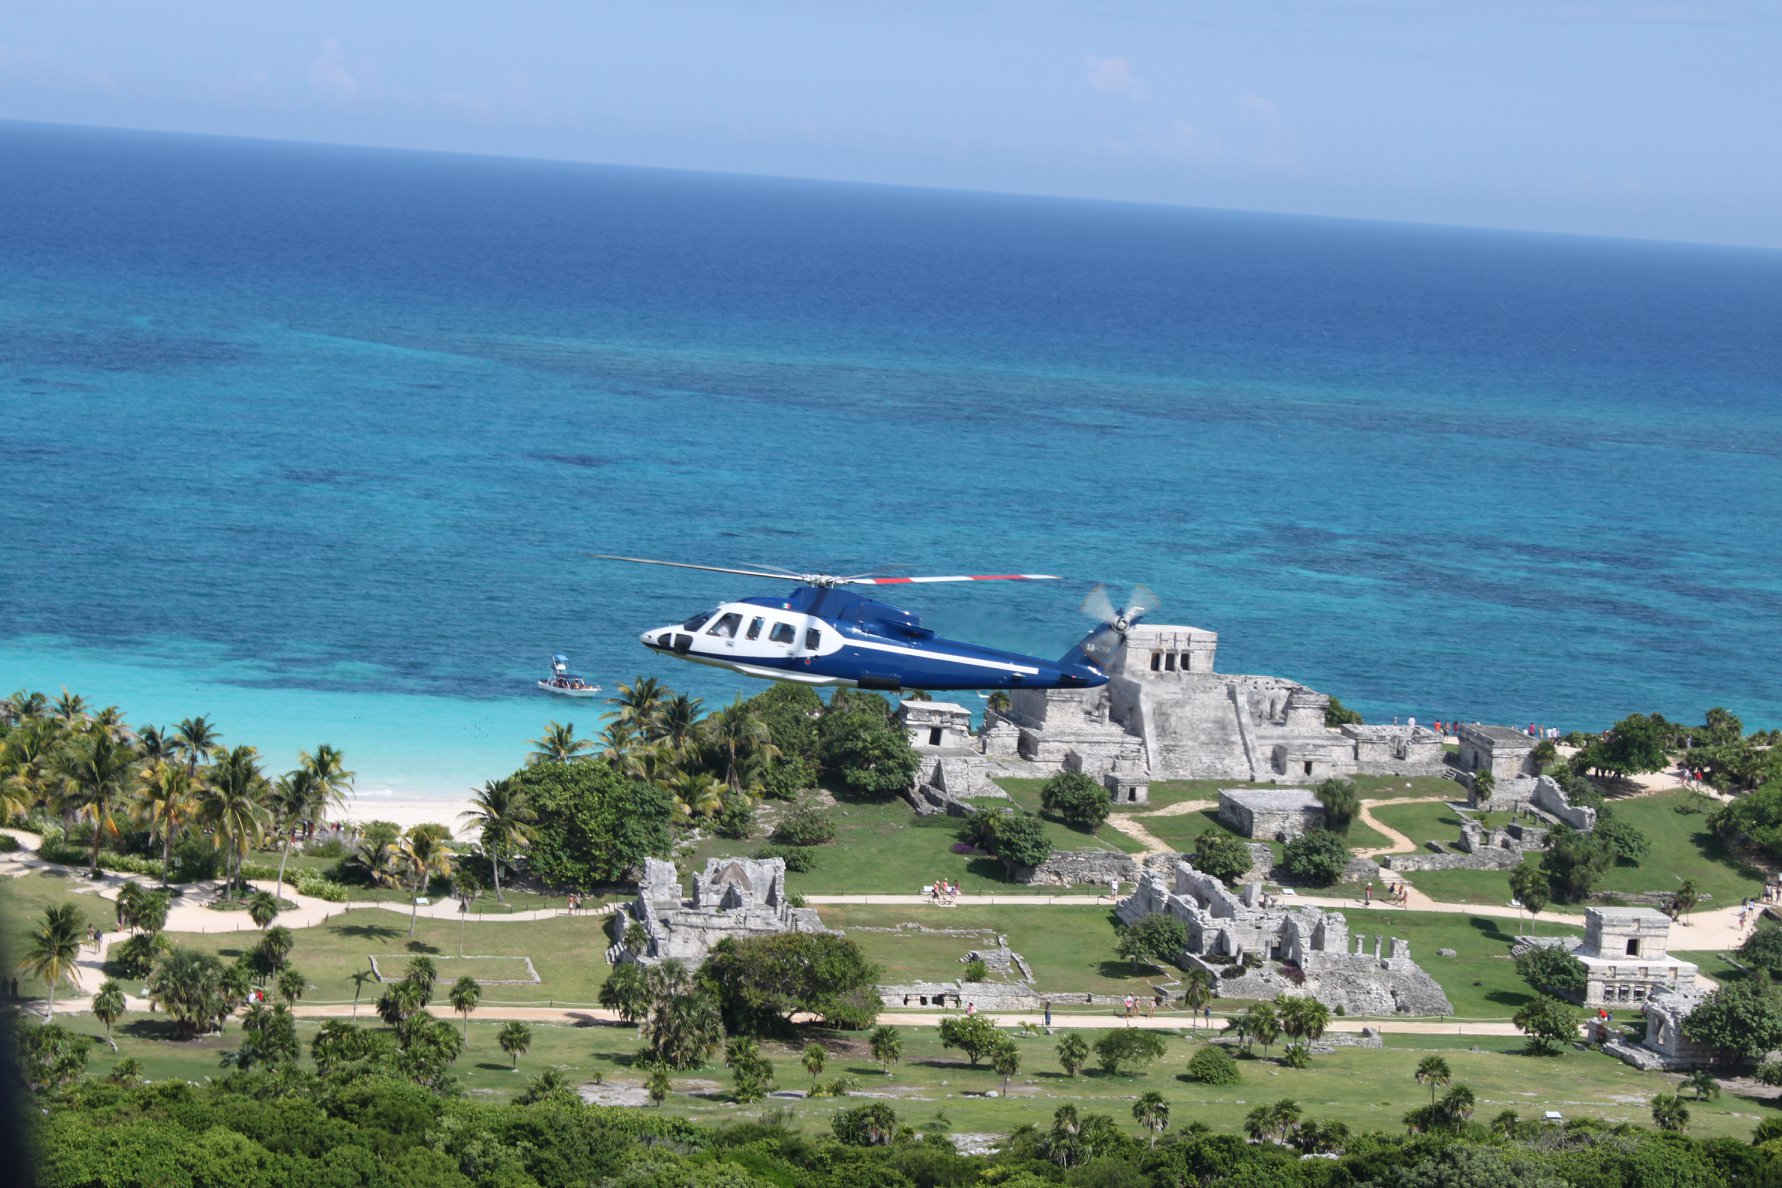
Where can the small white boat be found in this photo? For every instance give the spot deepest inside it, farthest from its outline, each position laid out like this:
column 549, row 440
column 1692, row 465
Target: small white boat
column 564, row 683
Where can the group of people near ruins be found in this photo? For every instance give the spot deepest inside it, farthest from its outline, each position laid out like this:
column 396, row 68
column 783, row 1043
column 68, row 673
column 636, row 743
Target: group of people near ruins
column 942, row 892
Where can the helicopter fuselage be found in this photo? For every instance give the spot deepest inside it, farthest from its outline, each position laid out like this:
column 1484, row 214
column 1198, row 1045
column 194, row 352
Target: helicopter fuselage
column 820, row 635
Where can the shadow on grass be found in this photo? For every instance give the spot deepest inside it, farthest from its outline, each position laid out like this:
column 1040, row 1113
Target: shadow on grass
column 368, row 931
column 151, row 1029
column 1490, row 927
column 492, row 1066
column 419, row 946
column 1510, row 998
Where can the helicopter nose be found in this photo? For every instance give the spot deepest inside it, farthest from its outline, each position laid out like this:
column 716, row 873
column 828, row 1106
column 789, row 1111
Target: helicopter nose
column 649, row 639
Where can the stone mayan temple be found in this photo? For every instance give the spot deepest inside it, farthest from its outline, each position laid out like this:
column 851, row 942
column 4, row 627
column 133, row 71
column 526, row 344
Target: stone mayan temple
column 1254, row 951
column 1166, row 712
column 731, row 897
column 1264, row 952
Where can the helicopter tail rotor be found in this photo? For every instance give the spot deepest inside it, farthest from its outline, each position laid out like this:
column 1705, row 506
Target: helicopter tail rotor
column 1099, row 646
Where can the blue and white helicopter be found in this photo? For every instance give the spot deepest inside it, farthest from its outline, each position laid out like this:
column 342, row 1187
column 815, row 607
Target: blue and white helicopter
column 821, row 634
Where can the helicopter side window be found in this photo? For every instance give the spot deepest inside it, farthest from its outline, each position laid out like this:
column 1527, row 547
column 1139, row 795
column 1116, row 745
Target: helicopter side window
column 696, row 622
column 755, row 627
column 725, row 627
column 813, row 639
column 783, row 633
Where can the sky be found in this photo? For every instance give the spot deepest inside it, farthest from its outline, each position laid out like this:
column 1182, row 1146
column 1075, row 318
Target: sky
column 1604, row 117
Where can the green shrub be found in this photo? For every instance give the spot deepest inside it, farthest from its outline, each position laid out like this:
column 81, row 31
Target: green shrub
column 976, row 970
column 797, row 861
column 806, row 823
column 316, row 887
column 1213, row 1065
column 1317, row 858
column 8, row 843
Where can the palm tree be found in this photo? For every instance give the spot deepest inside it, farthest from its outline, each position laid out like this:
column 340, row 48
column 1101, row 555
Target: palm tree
column 1302, row 1016
column 503, row 815
column 739, row 732
column 333, row 781
column 887, row 1046
column 110, row 720
column 234, row 805
column 640, row 706
column 697, row 794
column 658, row 1084
column 1197, row 990
column 558, row 744
column 262, row 908
column 1702, row 1082
column 1152, row 1112
column 1265, row 1025
column 70, row 707
column 815, row 1058
column 156, row 743
column 359, row 977
column 291, row 984
column 26, row 707
column 464, row 996
column 514, row 1038
column 290, row 802
column 169, row 798
column 1457, row 1106
column 621, row 746
column 108, row 1007
column 679, row 723
column 53, row 948
column 25, row 760
column 422, row 852
column 1434, row 1072
column 97, row 772
column 197, row 739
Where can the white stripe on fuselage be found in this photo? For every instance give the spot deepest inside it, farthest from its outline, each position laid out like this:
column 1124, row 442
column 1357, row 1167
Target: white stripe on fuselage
column 904, row 650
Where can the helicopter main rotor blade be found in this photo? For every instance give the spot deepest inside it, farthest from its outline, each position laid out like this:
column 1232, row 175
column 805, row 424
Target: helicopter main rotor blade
column 974, row 577
column 708, row 568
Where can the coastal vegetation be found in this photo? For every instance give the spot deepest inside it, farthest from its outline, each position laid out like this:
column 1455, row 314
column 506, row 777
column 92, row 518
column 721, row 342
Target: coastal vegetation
column 666, row 779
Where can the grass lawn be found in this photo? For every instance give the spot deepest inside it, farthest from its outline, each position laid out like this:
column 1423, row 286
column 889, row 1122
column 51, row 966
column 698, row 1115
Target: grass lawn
column 1366, row 1089
column 1068, row 948
column 1682, row 848
column 1422, row 822
column 1722, row 967
column 1400, row 787
column 23, row 900
column 568, row 953
column 1467, row 886
column 884, row 848
column 1179, row 831
column 1481, row 981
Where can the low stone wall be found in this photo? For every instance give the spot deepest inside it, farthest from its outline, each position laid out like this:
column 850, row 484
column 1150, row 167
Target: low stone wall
column 1486, row 859
column 1067, row 868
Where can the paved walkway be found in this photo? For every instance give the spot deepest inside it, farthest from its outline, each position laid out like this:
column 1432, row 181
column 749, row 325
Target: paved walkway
column 1170, row 1021
column 1397, row 842
column 1133, row 824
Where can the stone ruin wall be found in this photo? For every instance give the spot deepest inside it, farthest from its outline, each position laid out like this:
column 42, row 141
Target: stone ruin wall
column 1225, row 927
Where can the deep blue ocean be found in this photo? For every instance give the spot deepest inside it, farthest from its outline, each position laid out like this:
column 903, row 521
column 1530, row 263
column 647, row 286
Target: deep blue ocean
column 314, row 439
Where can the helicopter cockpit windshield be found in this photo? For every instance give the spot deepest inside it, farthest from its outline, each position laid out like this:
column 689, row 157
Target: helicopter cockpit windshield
column 697, row 621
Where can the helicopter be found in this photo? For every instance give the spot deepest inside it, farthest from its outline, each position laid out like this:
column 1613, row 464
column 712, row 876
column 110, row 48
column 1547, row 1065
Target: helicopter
column 824, row 634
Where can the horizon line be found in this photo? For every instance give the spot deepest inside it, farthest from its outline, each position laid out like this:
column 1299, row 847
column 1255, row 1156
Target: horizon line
column 896, row 185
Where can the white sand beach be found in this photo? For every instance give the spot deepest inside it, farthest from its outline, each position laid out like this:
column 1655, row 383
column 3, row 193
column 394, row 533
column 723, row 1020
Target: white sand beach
column 406, row 809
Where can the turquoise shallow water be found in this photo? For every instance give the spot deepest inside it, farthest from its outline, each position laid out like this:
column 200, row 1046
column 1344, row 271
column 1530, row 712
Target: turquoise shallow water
column 312, row 439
